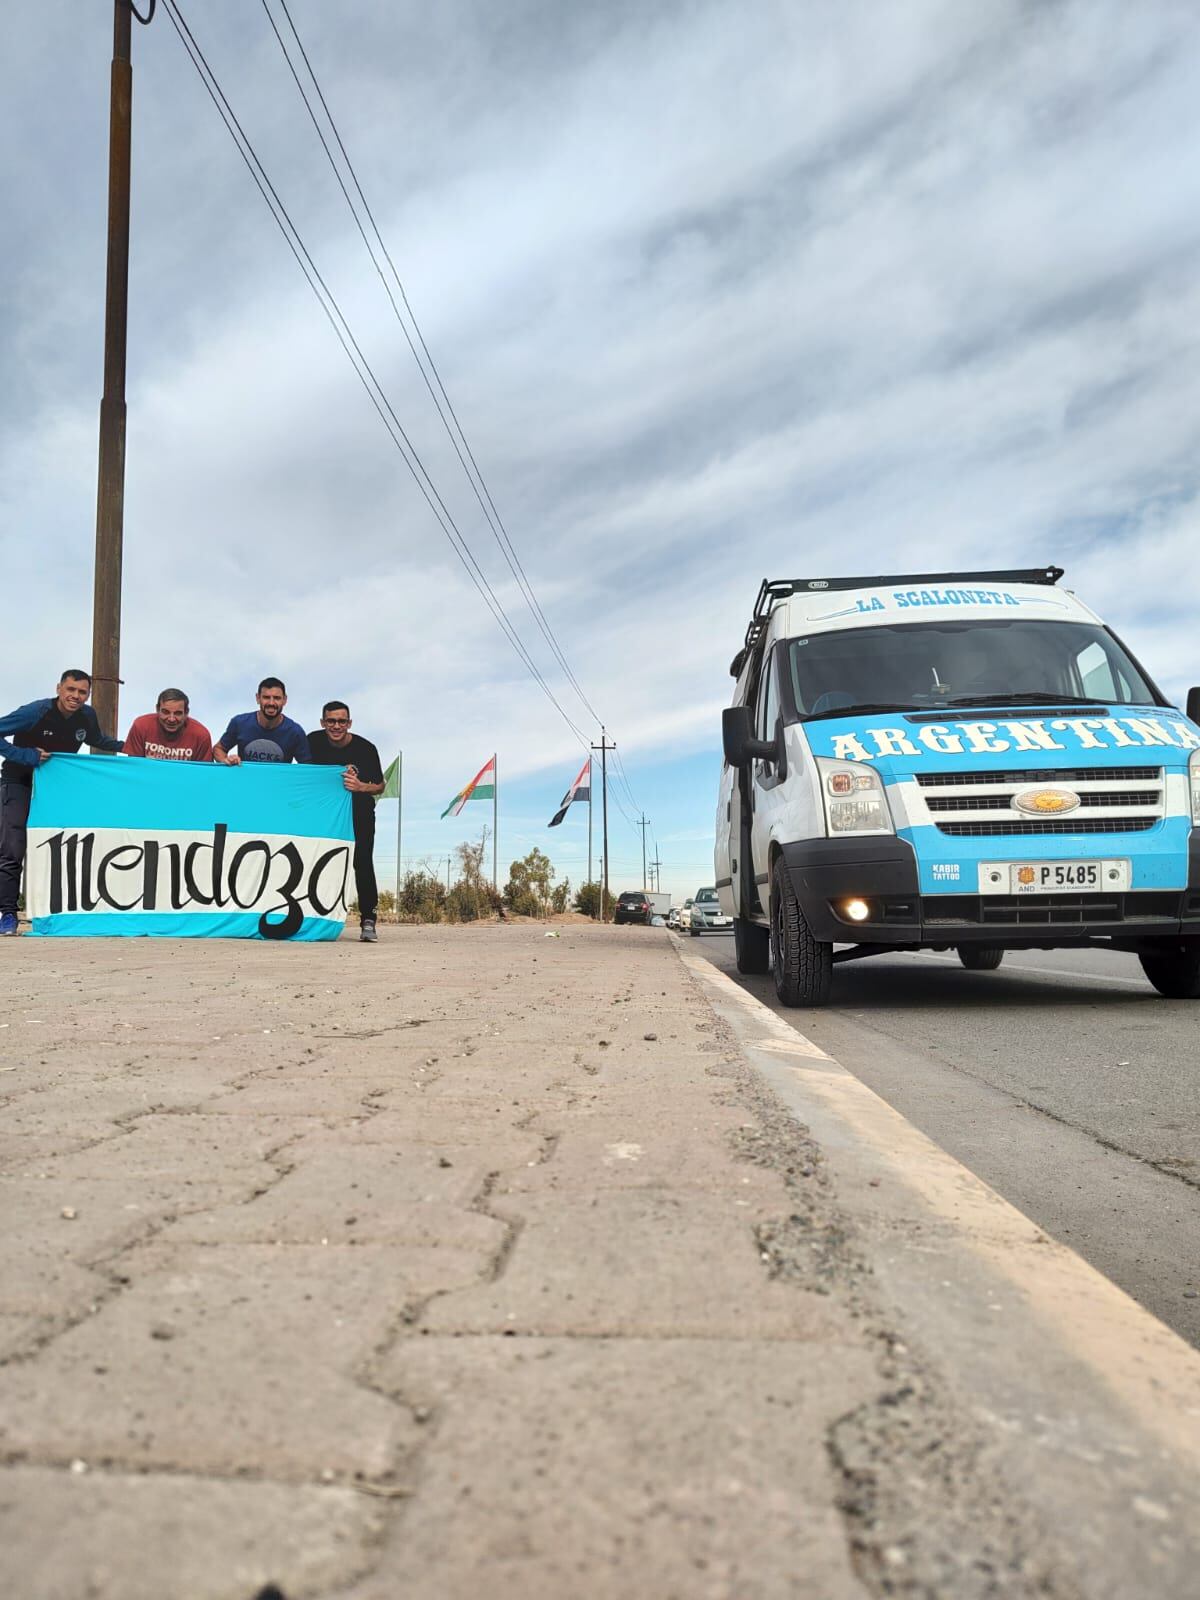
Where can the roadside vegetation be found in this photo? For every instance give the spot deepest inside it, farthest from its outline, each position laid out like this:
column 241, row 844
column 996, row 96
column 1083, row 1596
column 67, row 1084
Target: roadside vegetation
column 531, row 890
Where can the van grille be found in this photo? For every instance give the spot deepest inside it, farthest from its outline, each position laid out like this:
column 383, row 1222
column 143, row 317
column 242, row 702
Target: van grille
column 1111, row 800
column 1003, row 802
column 995, row 780
column 1076, row 824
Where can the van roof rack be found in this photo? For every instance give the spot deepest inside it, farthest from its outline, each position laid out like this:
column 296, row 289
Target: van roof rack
column 773, row 590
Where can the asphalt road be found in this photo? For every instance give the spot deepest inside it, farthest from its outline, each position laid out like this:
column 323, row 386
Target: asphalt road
column 1062, row 1080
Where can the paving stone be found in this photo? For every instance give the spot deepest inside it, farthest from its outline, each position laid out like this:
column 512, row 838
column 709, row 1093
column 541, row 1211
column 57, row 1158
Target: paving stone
column 229, row 1361
column 204, row 1155
column 443, row 1127
column 30, row 1142
column 284, row 1095
column 631, row 1468
column 151, row 1538
column 376, row 1194
column 600, row 1151
column 578, row 1267
column 55, row 1228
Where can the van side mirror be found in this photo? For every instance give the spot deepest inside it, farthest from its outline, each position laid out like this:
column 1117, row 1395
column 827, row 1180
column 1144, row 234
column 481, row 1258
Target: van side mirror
column 737, row 734
column 1193, row 705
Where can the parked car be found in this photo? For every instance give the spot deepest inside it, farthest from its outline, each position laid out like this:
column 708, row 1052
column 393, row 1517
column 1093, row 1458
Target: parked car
column 685, row 914
column 707, row 914
column 673, row 917
column 633, row 906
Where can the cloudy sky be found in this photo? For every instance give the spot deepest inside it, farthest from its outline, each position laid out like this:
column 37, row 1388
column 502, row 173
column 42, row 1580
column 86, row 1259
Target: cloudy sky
column 717, row 293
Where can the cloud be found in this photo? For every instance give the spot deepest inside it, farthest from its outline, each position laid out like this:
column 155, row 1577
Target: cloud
column 717, row 294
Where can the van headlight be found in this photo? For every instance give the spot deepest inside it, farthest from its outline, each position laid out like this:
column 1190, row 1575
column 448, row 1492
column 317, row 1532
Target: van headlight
column 855, row 801
column 1194, row 777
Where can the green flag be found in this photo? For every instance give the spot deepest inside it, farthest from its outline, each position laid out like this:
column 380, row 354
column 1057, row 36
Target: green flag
column 391, row 782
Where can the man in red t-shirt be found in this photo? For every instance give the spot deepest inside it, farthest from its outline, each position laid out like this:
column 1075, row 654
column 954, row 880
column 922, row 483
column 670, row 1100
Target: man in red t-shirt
column 168, row 734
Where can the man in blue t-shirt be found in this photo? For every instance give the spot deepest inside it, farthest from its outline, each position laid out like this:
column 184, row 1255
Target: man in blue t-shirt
column 265, row 734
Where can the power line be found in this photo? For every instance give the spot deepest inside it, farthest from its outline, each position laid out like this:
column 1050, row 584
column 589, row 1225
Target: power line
column 623, row 776
column 455, row 433
column 362, row 368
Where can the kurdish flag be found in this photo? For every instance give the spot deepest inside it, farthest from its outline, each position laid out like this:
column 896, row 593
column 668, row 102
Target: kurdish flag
column 481, row 787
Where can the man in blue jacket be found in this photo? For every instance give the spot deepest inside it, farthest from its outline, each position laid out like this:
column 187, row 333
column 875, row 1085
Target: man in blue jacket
column 42, row 729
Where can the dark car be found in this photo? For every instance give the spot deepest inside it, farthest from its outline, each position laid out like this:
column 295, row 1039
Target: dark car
column 633, row 906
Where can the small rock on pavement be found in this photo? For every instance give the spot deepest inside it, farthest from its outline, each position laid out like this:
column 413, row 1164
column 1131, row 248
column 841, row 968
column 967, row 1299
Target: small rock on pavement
column 651, row 1036
column 69, row 1212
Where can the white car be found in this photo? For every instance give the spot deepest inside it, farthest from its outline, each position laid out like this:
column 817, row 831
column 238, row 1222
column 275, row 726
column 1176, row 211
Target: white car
column 707, row 915
column 685, row 914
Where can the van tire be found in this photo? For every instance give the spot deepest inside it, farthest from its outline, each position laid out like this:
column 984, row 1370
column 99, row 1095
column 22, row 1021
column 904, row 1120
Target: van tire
column 1175, row 974
column 980, row 957
column 751, row 946
column 802, row 966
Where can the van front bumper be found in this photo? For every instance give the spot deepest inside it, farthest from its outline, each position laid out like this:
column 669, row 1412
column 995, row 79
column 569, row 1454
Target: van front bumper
column 882, row 871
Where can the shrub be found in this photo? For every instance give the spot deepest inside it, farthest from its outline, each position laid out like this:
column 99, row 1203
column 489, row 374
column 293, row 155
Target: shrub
column 587, row 900
column 422, row 898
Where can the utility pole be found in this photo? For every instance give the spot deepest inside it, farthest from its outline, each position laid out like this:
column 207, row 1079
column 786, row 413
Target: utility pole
column 110, row 484
column 604, row 747
column 655, row 867
column 643, row 825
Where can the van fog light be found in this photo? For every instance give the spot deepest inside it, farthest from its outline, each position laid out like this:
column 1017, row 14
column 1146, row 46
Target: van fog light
column 855, row 910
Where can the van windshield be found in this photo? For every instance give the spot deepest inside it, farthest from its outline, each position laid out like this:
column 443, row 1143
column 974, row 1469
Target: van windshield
column 926, row 665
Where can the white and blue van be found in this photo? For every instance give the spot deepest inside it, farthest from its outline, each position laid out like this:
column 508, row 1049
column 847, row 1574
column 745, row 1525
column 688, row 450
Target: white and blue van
column 967, row 761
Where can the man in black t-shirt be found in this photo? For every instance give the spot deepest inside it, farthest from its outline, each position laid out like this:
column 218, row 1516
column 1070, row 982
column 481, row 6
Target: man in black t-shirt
column 336, row 746
column 39, row 730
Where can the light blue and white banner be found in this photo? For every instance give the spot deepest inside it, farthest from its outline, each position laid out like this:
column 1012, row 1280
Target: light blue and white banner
column 124, row 846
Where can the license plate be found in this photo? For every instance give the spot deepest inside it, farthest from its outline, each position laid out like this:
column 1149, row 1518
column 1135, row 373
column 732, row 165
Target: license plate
column 1052, row 877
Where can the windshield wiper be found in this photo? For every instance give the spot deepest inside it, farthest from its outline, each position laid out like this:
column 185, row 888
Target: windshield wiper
column 1003, row 697
column 863, row 708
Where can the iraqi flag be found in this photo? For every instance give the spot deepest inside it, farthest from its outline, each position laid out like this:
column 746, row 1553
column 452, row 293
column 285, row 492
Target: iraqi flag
column 581, row 789
column 481, row 787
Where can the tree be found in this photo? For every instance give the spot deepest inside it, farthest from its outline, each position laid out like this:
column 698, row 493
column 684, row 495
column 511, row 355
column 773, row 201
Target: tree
column 528, row 890
column 472, row 896
column 471, row 856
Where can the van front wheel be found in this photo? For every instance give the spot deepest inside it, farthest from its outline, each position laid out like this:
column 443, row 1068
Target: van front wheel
column 1176, row 973
column 802, row 966
column 980, row 957
column 751, row 946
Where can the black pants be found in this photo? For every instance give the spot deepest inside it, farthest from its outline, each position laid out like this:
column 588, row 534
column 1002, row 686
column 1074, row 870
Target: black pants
column 14, row 814
column 364, row 861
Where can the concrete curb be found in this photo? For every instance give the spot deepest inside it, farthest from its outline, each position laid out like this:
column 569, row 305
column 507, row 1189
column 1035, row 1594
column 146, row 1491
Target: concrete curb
column 1095, row 1402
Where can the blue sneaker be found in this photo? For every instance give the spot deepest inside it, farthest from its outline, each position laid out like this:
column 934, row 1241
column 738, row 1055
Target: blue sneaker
column 8, row 923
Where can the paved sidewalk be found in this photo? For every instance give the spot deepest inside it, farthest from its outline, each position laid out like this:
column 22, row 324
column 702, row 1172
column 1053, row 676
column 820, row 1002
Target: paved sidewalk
column 483, row 1261
column 398, row 1271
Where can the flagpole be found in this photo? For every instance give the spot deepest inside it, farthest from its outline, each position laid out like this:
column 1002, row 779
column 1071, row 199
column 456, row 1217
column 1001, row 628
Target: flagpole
column 589, row 816
column 495, row 823
column 399, row 821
